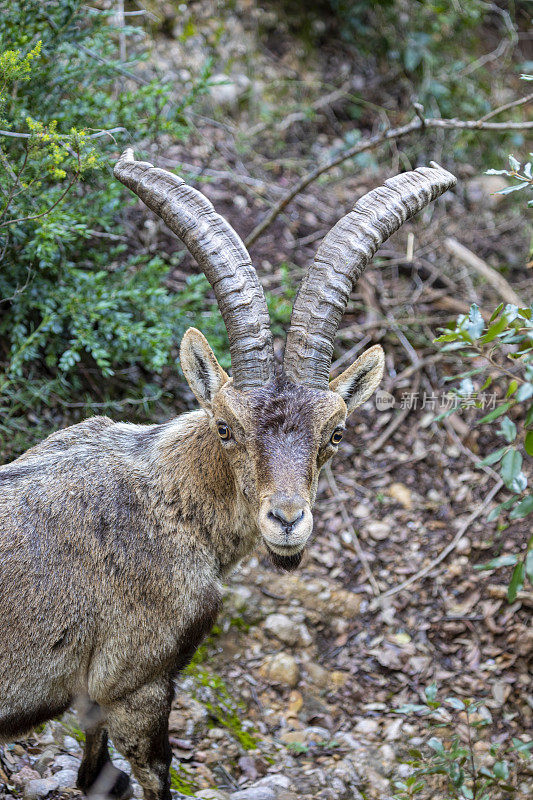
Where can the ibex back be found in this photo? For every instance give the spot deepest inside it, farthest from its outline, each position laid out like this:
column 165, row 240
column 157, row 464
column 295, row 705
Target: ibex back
column 114, row 537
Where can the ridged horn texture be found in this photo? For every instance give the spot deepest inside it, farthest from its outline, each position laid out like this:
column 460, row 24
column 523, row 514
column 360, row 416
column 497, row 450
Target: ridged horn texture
column 340, row 262
column 222, row 257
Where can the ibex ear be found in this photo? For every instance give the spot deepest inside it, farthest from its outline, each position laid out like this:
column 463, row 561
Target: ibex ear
column 356, row 384
column 204, row 374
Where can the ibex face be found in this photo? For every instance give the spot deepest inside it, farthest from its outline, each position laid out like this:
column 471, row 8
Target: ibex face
column 277, row 438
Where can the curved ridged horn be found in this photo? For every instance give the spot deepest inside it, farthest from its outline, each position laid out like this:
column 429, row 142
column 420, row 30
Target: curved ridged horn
column 222, row 257
column 340, row 262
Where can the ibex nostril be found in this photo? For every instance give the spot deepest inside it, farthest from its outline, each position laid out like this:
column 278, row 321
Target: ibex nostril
column 288, row 521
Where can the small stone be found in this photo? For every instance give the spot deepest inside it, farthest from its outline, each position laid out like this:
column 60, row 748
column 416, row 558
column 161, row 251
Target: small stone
column 317, row 675
column 387, row 754
column 367, row 726
column 404, row 770
column 394, row 730
column 212, row 794
column 255, row 793
column 463, row 545
column 24, row 775
column 287, row 631
column 378, row 530
column 361, row 511
column 66, row 778
column 279, row 781
column 64, row 761
column 339, row 678
column 40, row 788
column 401, row 493
column 281, row 668
column 282, row 628
column 70, row 743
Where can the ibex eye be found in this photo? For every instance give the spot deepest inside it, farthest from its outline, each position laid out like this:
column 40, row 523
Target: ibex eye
column 223, row 431
column 336, row 437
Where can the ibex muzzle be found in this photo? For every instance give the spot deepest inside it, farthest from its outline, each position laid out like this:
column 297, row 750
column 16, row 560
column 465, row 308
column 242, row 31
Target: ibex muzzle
column 114, row 538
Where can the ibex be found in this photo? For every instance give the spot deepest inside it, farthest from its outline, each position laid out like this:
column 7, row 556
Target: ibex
column 114, row 538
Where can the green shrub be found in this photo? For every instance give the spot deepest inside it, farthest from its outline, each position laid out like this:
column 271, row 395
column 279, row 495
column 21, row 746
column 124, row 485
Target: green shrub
column 460, row 753
column 74, row 301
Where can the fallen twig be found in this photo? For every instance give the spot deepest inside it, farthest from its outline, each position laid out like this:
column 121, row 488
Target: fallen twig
column 496, row 280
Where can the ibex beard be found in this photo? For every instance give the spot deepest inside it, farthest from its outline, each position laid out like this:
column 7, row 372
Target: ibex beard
column 114, row 538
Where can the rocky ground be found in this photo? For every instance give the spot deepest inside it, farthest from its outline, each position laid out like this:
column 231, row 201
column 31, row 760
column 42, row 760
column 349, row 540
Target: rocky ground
column 293, row 696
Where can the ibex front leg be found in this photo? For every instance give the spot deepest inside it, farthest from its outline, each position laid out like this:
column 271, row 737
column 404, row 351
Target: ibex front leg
column 138, row 726
column 97, row 776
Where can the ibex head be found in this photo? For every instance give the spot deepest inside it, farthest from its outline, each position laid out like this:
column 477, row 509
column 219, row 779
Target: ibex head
column 278, row 430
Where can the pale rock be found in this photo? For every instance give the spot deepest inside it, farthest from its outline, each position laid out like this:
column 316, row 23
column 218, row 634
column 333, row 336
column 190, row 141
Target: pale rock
column 66, row 762
column 367, row 726
column 212, row 794
column 317, row 675
column 284, row 629
column 66, row 778
column 70, row 744
column 394, row 730
column 378, row 530
column 40, row 788
column 281, row 668
column 226, row 91
column 401, row 493
column 361, row 511
column 277, row 781
column 312, row 735
column 387, row 754
column 255, row 793
column 463, row 545
column 404, row 770
column 24, row 775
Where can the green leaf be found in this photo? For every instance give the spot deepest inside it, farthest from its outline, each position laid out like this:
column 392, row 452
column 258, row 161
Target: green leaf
column 431, row 691
column 495, row 513
column 529, row 417
column 514, row 188
column 495, row 413
column 528, row 443
column 496, row 312
column 511, row 389
column 519, row 483
column 511, row 466
column 521, row 746
column 475, row 324
column 517, row 581
column 525, row 391
column 456, row 703
column 501, row 561
column 515, row 165
column 524, row 508
column 493, row 331
column 508, row 429
column 492, row 458
column 501, row 770
column 436, row 744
